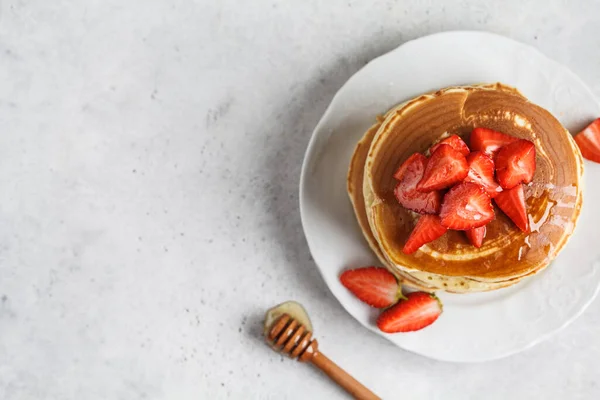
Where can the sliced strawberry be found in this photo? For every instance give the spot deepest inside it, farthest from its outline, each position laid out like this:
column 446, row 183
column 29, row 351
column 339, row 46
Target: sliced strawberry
column 481, row 172
column 466, row 206
column 476, row 235
column 414, row 165
column 512, row 203
column 588, row 141
column 489, row 141
column 422, row 203
column 515, row 163
column 428, row 229
column 456, row 142
column 409, row 174
column 419, row 310
column 375, row 286
column 445, row 167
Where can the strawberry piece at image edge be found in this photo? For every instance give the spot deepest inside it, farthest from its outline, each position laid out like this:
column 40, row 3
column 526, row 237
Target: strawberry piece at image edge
column 588, row 141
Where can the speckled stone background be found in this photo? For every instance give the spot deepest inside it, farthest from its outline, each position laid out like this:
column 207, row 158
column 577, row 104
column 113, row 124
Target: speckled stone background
column 149, row 161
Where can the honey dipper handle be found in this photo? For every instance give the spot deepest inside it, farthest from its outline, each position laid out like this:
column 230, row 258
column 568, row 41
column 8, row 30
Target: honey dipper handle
column 342, row 378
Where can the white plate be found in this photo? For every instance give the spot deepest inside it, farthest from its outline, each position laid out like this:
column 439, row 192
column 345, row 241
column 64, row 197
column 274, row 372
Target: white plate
column 473, row 327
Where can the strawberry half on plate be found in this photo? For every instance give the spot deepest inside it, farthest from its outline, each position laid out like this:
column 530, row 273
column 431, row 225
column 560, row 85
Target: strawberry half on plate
column 418, row 311
column 375, row 286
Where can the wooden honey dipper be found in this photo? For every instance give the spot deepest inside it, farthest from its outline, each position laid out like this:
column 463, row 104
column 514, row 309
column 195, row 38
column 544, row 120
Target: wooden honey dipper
column 289, row 336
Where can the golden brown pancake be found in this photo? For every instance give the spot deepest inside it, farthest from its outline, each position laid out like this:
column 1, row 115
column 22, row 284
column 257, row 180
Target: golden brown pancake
column 451, row 263
column 420, row 280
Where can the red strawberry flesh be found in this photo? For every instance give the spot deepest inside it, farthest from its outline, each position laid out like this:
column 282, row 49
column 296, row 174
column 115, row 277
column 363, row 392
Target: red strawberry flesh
column 418, row 311
column 466, row 206
column 444, row 168
column 409, row 174
column 489, row 141
column 414, row 165
column 456, row 142
column 515, row 163
column 428, row 229
column 481, row 172
column 375, row 286
column 588, row 141
column 476, row 235
column 512, row 203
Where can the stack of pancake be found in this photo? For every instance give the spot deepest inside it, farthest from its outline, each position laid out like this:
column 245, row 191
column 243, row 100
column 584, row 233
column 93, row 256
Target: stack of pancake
column 451, row 263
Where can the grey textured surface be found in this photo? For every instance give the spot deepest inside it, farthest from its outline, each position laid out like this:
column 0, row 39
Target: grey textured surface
column 149, row 160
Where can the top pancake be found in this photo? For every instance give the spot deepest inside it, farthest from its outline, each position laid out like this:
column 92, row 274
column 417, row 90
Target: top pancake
column 553, row 199
column 414, row 279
